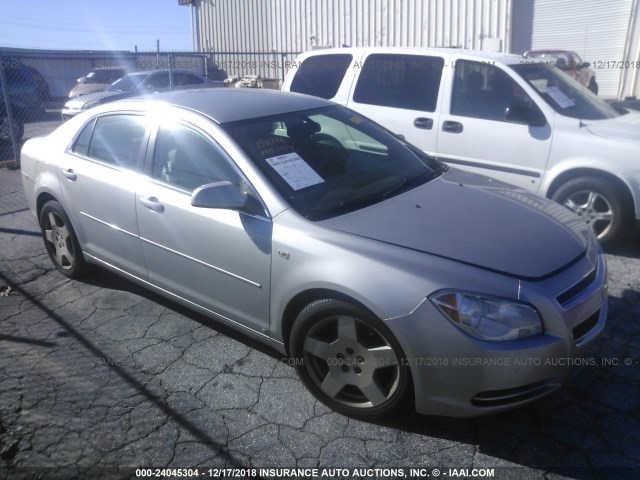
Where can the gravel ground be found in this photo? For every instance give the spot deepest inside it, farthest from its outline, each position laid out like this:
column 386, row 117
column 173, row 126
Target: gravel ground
column 102, row 374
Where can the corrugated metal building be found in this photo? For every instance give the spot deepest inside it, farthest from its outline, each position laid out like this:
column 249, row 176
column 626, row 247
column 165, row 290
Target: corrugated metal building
column 598, row 30
column 299, row 25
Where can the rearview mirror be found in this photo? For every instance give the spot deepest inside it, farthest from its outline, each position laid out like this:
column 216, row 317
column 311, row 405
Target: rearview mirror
column 223, row 194
column 527, row 115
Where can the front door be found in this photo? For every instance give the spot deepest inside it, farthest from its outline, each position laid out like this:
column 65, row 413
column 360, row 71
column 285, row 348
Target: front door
column 216, row 258
column 474, row 135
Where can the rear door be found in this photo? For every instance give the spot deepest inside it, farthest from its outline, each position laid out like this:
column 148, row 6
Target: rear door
column 98, row 177
column 401, row 92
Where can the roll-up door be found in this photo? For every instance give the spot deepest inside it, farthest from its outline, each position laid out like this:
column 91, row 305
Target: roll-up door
column 595, row 29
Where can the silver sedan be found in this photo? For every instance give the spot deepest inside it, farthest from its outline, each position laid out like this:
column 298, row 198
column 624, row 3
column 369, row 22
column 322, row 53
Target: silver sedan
column 386, row 277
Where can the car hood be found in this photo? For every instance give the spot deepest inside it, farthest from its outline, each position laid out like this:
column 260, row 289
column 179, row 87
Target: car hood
column 624, row 127
column 87, row 88
column 478, row 221
column 79, row 102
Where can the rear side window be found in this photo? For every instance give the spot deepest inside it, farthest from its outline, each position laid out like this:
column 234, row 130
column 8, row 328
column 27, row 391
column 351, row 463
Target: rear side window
column 158, row 81
column 183, row 78
column 401, row 81
column 118, row 140
column 81, row 146
column 321, row 75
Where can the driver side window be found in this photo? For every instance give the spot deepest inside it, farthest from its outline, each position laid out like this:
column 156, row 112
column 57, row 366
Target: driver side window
column 481, row 90
column 187, row 160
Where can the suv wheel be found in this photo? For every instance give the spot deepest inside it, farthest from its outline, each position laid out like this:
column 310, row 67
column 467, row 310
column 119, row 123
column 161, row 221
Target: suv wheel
column 597, row 202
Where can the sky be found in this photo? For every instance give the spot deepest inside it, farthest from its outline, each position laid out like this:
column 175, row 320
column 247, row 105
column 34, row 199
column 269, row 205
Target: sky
column 95, row 24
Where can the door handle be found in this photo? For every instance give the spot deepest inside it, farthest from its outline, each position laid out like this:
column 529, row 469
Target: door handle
column 152, row 203
column 452, row 127
column 70, row 174
column 424, row 123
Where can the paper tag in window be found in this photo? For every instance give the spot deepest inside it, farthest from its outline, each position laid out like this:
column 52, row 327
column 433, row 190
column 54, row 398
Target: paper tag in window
column 559, row 97
column 294, row 170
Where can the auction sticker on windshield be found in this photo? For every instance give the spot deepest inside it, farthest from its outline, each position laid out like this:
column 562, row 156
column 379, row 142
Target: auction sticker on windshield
column 295, row 171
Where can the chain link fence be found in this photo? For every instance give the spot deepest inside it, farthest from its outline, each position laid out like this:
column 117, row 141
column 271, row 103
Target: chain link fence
column 35, row 85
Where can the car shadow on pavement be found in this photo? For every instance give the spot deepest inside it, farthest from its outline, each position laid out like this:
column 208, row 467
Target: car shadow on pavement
column 629, row 246
column 108, row 280
column 588, row 429
column 579, row 430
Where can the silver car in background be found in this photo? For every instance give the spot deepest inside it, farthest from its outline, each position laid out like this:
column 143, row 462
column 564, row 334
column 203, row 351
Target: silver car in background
column 386, row 276
column 138, row 83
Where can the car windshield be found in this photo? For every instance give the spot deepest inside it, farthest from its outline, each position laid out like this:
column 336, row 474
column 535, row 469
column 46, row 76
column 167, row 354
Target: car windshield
column 563, row 93
column 103, row 76
column 127, row 83
column 562, row 60
column 330, row 161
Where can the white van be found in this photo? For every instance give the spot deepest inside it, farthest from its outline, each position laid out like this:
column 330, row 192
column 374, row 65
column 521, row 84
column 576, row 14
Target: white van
column 515, row 119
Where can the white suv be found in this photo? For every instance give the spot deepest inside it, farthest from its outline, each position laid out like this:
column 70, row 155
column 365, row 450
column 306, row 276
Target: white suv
column 505, row 116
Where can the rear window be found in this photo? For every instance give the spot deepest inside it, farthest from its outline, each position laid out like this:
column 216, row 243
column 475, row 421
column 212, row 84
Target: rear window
column 321, row 75
column 401, row 81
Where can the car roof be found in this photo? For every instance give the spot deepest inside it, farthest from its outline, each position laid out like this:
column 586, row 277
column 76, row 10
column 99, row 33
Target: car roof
column 507, row 58
column 224, row 105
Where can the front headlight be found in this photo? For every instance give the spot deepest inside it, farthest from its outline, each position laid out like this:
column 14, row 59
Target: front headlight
column 488, row 318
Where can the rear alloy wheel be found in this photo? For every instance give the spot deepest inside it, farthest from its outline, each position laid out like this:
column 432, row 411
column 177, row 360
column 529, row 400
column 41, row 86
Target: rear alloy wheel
column 349, row 359
column 60, row 240
column 597, row 202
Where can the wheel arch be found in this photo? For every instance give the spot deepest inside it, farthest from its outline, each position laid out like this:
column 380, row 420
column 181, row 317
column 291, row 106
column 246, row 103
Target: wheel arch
column 625, row 190
column 304, row 298
column 43, row 198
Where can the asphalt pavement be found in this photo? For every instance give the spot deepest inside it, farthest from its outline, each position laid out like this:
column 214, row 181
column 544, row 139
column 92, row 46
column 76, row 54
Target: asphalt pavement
column 100, row 373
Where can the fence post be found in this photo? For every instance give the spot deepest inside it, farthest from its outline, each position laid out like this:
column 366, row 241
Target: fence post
column 9, row 112
column 282, row 59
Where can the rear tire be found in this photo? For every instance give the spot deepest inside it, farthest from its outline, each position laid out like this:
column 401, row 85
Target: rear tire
column 60, row 240
column 598, row 202
column 349, row 359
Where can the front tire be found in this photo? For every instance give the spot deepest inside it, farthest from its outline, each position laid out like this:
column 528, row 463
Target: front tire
column 597, row 202
column 349, row 359
column 60, row 240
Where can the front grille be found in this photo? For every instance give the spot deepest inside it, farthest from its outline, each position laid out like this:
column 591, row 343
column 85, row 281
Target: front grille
column 495, row 398
column 582, row 329
column 565, row 297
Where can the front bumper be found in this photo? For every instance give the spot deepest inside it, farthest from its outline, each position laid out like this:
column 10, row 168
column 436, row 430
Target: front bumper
column 457, row 375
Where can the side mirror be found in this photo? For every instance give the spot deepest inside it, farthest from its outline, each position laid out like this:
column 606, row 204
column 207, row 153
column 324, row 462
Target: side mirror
column 527, row 115
column 223, row 194
column 585, row 65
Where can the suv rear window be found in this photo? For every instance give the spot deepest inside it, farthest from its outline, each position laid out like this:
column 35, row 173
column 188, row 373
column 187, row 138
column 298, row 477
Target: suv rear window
column 401, row 81
column 321, row 75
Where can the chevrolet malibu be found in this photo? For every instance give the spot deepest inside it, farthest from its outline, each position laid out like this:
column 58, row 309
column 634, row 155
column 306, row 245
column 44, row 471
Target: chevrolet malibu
column 385, row 276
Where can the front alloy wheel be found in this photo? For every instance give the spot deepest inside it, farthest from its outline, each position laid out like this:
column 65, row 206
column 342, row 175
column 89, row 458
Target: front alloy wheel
column 348, row 359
